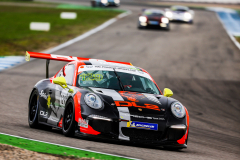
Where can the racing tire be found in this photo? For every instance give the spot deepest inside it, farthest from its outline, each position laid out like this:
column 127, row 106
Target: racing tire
column 33, row 110
column 68, row 123
column 168, row 28
column 140, row 27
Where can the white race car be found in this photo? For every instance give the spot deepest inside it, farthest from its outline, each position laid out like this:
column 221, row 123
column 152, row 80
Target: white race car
column 105, row 3
column 180, row 13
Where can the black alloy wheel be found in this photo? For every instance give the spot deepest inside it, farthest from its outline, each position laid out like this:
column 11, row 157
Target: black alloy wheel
column 33, row 110
column 68, row 119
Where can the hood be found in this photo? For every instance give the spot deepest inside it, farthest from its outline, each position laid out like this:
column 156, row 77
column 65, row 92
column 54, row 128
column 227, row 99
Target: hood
column 137, row 103
column 156, row 18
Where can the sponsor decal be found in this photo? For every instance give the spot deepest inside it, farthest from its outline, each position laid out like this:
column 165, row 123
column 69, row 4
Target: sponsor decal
column 64, row 57
column 131, row 96
column 131, row 69
column 83, row 123
column 152, row 118
column 143, row 117
column 47, row 97
column 142, row 125
column 43, row 95
column 63, row 97
column 49, row 101
column 43, row 113
column 91, row 77
column 133, row 104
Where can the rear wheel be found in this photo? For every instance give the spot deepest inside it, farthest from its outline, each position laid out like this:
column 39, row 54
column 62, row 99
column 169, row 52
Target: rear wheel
column 33, row 110
column 68, row 123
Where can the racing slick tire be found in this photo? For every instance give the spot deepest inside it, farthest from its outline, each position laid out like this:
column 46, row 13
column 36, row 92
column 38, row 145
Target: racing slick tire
column 33, row 110
column 68, row 123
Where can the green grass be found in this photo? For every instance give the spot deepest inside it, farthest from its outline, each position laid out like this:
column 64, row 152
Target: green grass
column 238, row 11
column 16, row 37
column 16, row 0
column 238, row 39
column 53, row 149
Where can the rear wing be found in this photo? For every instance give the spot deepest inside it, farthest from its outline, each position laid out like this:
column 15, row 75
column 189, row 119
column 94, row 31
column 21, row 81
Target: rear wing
column 53, row 57
column 49, row 57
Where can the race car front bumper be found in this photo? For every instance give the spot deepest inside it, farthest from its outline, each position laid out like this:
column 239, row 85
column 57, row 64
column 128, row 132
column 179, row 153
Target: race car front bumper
column 157, row 24
column 181, row 18
column 109, row 128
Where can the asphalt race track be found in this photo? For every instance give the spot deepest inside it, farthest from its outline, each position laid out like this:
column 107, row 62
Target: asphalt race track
column 198, row 62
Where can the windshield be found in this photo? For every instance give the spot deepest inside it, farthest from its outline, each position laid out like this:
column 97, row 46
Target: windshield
column 153, row 13
column 180, row 8
column 109, row 80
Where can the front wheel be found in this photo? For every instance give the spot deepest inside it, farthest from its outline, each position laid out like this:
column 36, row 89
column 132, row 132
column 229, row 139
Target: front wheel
column 33, row 110
column 68, row 123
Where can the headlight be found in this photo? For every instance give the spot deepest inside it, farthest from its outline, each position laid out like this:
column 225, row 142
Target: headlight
column 187, row 15
column 165, row 20
column 178, row 110
column 104, row 1
column 142, row 19
column 117, row 1
column 169, row 14
column 93, row 101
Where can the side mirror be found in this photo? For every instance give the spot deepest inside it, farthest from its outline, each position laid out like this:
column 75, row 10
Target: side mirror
column 62, row 82
column 167, row 92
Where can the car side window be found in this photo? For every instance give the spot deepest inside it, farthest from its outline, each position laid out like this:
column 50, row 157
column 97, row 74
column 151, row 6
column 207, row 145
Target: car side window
column 60, row 74
column 69, row 71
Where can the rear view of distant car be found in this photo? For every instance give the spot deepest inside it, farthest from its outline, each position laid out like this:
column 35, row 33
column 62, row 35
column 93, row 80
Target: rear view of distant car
column 105, row 3
column 180, row 13
column 153, row 17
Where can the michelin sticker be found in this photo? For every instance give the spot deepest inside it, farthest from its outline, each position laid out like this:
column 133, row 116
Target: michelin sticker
column 142, row 125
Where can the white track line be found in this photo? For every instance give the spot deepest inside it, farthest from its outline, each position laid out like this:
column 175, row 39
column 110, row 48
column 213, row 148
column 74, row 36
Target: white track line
column 68, row 146
column 79, row 38
column 87, row 34
column 228, row 32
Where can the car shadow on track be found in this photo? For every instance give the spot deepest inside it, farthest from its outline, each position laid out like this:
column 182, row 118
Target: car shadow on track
column 180, row 22
column 124, row 143
column 153, row 29
column 102, row 140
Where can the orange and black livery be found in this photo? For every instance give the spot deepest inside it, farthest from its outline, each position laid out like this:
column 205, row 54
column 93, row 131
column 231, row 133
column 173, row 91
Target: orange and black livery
column 106, row 99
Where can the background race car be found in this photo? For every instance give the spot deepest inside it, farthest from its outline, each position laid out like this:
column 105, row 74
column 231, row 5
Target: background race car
column 105, row 3
column 180, row 13
column 107, row 99
column 153, row 17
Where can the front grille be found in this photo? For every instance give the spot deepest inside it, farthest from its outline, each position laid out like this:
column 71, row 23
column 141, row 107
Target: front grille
column 101, row 126
column 140, row 134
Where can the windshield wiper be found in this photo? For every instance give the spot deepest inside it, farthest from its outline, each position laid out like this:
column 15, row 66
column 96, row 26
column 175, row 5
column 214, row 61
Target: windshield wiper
column 120, row 82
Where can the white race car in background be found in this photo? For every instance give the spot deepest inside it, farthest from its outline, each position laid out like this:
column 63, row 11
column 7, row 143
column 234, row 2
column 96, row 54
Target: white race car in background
column 180, row 13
